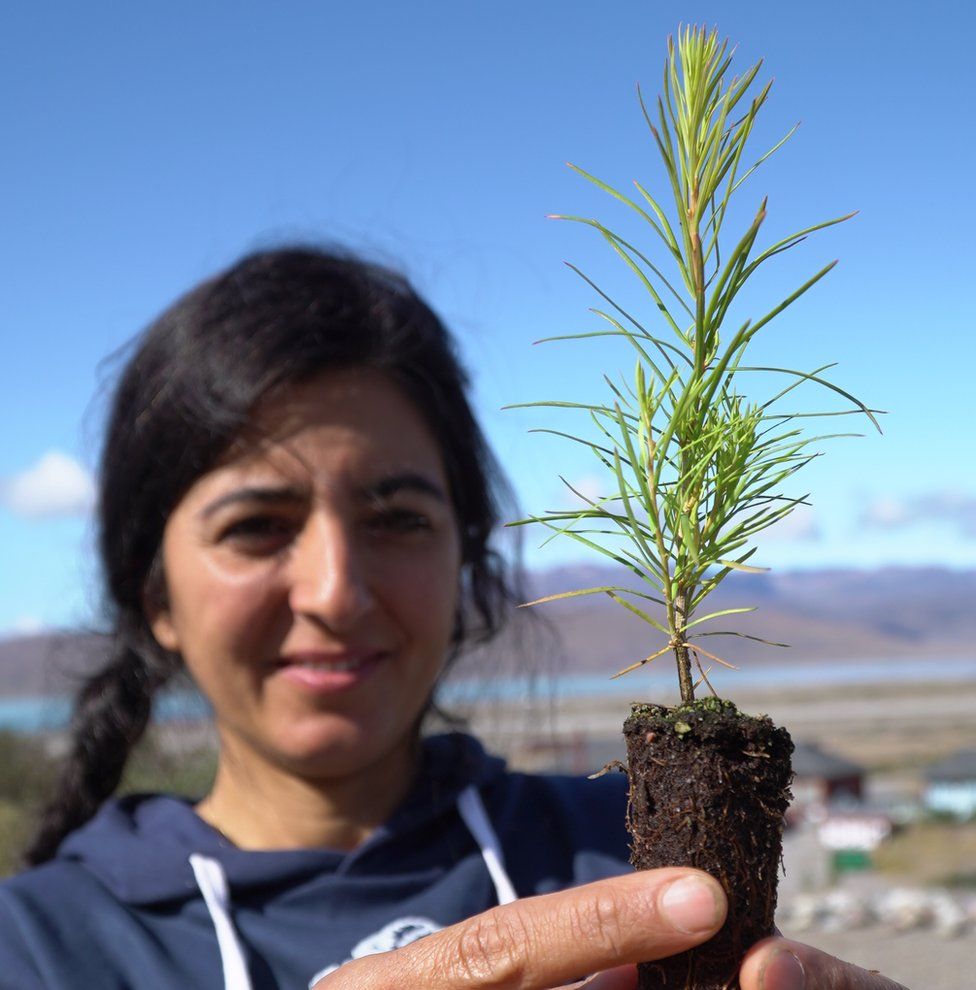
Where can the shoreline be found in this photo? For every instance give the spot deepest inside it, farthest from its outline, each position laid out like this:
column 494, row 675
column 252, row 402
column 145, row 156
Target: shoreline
column 892, row 728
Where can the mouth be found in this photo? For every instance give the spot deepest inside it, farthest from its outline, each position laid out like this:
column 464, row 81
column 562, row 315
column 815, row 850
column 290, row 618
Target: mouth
column 340, row 663
column 327, row 672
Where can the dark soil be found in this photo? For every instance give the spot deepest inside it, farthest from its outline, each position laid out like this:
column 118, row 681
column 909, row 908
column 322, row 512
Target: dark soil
column 709, row 787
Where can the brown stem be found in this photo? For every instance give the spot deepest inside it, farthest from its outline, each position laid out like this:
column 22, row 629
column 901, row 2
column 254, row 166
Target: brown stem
column 686, row 682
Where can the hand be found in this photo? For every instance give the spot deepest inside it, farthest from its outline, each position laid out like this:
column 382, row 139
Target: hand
column 547, row 941
column 779, row 964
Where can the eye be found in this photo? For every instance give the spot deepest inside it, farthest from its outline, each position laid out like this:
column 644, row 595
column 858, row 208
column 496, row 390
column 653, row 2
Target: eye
column 400, row 520
column 258, row 534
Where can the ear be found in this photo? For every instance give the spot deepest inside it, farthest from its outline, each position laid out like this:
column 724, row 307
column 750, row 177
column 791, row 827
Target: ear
column 155, row 607
column 161, row 625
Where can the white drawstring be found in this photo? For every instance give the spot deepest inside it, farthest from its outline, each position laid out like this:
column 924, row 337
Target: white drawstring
column 213, row 885
column 472, row 811
column 212, row 882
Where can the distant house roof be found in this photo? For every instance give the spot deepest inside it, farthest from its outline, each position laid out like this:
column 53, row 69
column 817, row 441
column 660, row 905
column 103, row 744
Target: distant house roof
column 961, row 765
column 809, row 760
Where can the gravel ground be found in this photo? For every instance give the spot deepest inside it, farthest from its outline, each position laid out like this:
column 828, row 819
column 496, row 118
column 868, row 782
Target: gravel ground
column 884, row 727
column 920, row 960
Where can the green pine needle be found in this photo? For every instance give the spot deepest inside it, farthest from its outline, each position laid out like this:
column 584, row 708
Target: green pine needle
column 694, row 469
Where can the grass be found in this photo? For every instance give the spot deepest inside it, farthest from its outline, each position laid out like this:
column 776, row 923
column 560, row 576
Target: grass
column 158, row 767
column 931, row 853
column 14, row 829
column 28, row 775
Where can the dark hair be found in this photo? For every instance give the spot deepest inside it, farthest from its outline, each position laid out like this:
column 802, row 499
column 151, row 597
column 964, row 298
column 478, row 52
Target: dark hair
column 186, row 394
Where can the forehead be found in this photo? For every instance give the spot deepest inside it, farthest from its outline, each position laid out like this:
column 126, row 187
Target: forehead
column 351, row 419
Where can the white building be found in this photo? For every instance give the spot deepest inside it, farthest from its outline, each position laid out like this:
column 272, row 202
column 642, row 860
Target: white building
column 950, row 785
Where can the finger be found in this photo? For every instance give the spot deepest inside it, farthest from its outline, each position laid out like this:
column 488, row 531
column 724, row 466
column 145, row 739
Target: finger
column 541, row 942
column 780, row 964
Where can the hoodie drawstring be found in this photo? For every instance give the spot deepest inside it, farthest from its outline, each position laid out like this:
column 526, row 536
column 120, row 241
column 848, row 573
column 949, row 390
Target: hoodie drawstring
column 472, row 811
column 212, row 882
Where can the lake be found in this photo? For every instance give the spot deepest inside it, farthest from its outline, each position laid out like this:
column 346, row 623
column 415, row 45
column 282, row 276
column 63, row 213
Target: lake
column 53, row 714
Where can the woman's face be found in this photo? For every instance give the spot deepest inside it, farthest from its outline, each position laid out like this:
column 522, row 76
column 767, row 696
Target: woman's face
column 312, row 581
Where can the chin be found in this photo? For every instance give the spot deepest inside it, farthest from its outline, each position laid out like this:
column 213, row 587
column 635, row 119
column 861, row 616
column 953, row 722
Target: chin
column 339, row 750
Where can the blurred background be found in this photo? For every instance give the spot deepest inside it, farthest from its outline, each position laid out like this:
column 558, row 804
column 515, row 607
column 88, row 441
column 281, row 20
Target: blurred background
column 146, row 146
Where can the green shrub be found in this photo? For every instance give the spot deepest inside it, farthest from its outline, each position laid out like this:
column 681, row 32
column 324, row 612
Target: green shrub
column 15, row 823
column 155, row 766
column 28, row 776
column 27, row 770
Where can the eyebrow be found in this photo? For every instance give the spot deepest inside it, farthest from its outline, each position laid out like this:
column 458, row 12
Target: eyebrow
column 405, row 481
column 276, row 495
column 260, row 494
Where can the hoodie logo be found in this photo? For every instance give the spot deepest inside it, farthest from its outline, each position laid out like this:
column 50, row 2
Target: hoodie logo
column 395, row 935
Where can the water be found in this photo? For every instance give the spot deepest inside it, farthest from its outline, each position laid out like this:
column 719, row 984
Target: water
column 51, row 714
column 648, row 683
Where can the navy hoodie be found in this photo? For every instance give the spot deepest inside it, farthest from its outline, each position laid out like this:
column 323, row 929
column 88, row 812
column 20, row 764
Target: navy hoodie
column 123, row 906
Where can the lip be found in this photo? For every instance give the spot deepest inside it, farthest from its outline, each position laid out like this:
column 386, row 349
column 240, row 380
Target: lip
column 328, row 672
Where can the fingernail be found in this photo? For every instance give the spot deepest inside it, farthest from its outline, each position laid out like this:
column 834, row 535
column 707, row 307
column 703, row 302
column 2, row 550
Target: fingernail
column 689, row 905
column 784, row 971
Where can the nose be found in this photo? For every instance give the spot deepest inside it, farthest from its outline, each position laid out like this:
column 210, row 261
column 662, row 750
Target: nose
column 329, row 580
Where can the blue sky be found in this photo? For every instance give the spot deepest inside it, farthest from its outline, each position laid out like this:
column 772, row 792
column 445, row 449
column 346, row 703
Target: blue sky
column 147, row 145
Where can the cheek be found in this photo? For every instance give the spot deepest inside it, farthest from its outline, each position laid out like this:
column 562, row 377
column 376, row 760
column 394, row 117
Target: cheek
column 428, row 594
column 219, row 612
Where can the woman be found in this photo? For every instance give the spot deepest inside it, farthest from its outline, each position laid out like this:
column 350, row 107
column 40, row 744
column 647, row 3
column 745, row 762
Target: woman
column 296, row 505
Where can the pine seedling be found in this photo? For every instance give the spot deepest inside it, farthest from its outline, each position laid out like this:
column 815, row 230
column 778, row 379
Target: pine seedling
column 697, row 469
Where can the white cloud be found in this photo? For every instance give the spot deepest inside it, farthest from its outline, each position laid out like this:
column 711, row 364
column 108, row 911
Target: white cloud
column 886, row 513
column 954, row 508
column 590, row 486
column 55, row 485
column 26, row 625
column 801, row 525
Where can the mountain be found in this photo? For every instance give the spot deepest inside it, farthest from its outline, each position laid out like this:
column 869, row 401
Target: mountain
column 890, row 613
column 49, row 664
